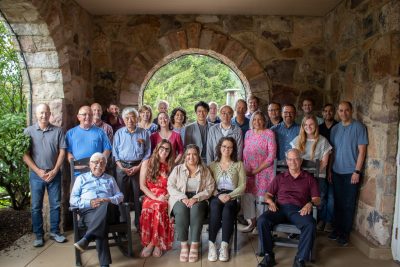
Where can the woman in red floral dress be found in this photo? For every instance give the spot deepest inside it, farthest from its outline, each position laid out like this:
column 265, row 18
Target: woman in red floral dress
column 157, row 232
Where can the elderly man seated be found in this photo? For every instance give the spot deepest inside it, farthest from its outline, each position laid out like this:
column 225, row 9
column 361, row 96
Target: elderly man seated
column 291, row 197
column 97, row 195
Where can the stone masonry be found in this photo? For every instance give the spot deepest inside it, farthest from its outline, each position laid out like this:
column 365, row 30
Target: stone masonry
column 352, row 53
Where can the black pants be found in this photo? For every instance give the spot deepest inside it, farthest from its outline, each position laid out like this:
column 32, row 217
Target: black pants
column 287, row 213
column 129, row 185
column 222, row 215
column 97, row 221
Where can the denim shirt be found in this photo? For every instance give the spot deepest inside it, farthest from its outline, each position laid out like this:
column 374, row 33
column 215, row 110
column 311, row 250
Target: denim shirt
column 88, row 187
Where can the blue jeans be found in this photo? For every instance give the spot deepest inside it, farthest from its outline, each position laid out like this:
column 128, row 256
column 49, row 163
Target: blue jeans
column 327, row 200
column 345, row 203
column 38, row 187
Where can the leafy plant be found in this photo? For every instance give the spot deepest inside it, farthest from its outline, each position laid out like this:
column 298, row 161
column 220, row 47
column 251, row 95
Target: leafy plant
column 13, row 172
column 13, row 143
column 188, row 79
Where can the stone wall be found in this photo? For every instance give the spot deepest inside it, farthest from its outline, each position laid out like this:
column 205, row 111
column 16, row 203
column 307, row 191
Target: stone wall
column 282, row 58
column 363, row 60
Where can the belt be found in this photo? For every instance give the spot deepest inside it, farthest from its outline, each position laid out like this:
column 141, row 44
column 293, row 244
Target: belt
column 131, row 163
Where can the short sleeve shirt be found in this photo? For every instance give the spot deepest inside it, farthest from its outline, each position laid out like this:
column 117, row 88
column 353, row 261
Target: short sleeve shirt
column 45, row 145
column 345, row 141
column 295, row 191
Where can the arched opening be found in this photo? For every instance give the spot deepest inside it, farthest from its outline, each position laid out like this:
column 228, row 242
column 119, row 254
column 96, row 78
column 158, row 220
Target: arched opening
column 190, row 77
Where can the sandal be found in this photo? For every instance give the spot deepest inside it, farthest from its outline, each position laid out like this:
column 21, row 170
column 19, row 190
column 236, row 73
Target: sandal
column 194, row 254
column 146, row 252
column 183, row 257
column 157, row 252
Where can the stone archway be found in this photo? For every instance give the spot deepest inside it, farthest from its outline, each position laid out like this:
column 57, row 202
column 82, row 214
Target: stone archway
column 180, row 53
column 188, row 40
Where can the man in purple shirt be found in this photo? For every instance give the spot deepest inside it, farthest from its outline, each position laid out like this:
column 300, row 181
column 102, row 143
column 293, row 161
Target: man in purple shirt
column 291, row 197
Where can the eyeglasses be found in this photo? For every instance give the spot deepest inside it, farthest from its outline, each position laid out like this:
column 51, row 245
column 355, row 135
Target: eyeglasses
column 166, row 149
column 226, row 113
column 227, row 147
column 85, row 114
column 98, row 162
column 292, row 159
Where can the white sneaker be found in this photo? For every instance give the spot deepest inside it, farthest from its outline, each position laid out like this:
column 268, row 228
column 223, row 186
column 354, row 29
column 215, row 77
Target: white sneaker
column 224, row 251
column 212, row 251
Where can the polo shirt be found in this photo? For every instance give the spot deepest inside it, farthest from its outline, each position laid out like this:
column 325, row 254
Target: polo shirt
column 294, row 191
column 45, row 145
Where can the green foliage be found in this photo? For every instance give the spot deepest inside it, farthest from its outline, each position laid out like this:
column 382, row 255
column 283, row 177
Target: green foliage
column 11, row 95
column 13, row 143
column 189, row 79
column 13, row 172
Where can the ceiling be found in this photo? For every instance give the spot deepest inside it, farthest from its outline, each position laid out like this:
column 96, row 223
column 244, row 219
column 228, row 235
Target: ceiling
column 210, row 7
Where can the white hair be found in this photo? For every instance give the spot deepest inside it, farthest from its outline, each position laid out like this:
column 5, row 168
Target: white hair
column 97, row 156
column 129, row 110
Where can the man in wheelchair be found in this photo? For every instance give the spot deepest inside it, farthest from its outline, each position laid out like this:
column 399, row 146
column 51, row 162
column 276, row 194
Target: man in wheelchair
column 290, row 198
column 97, row 196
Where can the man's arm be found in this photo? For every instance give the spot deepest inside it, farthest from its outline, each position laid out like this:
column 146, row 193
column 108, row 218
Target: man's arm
column 362, row 151
column 60, row 159
column 31, row 164
column 269, row 199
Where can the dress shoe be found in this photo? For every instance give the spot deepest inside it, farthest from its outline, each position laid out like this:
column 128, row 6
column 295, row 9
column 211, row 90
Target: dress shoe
column 267, row 261
column 299, row 263
column 82, row 244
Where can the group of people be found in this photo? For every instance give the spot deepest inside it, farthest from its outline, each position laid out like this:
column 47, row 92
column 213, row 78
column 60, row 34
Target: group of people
column 187, row 172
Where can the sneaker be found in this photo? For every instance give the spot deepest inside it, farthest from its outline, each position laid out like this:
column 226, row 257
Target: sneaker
column 328, row 228
column 321, row 226
column 38, row 242
column 58, row 237
column 223, row 251
column 342, row 241
column 267, row 261
column 82, row 244
column 333, row 235
column 212, row 251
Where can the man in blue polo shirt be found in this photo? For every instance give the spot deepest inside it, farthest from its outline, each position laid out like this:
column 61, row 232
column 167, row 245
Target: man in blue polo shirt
column 86, row 139
column 286, row 131
column 44, row 160
column 349, row 140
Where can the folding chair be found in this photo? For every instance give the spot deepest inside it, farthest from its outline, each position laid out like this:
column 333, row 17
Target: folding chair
column 287, row 228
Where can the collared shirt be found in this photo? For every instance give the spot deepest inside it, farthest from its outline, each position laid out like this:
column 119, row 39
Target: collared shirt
column 107, row 129
column 270, row 124
column 45, row 145
column 83, row 143
column 133, row 146
column 295, row 191
column 244, row 127
column 284, row 136
column 88, row 187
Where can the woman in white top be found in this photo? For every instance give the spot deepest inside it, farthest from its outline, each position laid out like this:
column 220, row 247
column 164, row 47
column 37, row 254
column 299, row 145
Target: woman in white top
column 315, row 147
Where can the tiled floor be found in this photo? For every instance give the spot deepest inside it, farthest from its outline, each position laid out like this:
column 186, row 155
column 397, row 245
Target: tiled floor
column 59, row 255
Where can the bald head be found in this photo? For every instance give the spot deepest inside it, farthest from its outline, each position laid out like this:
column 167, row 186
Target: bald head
column 85, row 117
column 43, row 115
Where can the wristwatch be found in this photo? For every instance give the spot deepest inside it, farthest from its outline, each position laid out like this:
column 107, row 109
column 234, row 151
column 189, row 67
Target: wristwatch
column 357, row 171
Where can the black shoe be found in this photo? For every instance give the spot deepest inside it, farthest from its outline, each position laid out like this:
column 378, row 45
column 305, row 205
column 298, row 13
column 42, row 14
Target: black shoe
column 333, row 235
column 299, row 263
column 267, row 261
column 342, row 241
column 82, row 244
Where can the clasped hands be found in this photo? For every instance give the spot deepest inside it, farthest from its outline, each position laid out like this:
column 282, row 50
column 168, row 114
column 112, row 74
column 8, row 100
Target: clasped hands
column 189, row 202
column 132, row 170
column 306, row 210
column 96, row 202
column 47, row 176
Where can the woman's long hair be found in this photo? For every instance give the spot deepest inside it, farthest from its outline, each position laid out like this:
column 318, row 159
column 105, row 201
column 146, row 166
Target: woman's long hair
column 202, row 166
column 153, row 168
column 302, row 140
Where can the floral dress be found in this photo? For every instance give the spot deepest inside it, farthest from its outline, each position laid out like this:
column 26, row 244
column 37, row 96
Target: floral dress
column 258, row 148
column 156, row 225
